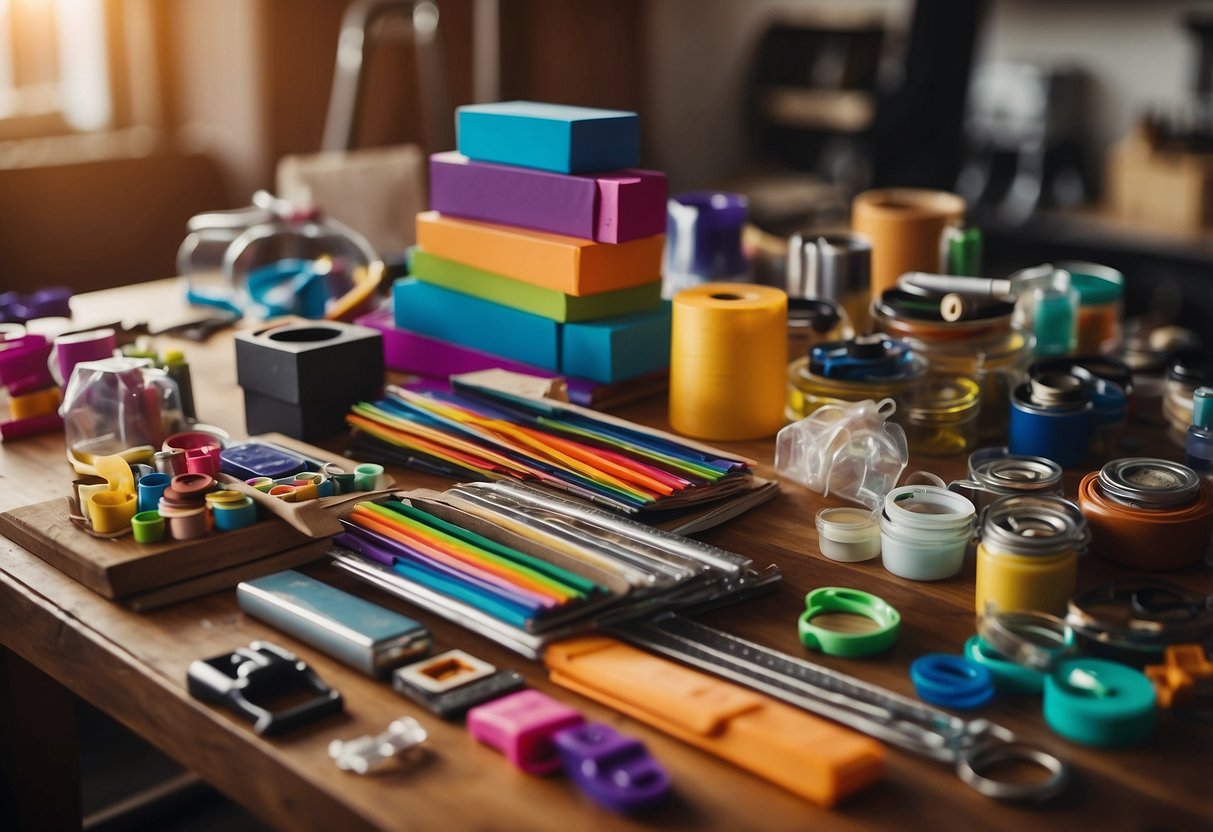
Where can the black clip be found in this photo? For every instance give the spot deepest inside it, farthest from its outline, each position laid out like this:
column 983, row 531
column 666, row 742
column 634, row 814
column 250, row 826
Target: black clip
column 261, row 673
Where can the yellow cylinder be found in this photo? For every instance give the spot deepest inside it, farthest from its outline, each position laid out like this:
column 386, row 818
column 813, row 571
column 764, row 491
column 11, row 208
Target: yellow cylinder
column 729, row 349
column 1025, row 582
column 906, row 228
column 111, row 511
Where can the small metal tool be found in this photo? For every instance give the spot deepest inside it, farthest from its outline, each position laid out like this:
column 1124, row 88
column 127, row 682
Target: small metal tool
column 972, row 746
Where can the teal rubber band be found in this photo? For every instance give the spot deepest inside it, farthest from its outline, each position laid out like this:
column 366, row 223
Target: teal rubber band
column 1099, row 703
column 1008, row 675
column 833, row 599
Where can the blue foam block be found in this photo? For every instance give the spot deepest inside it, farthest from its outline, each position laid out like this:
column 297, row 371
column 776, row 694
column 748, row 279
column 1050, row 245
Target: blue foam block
column 549, row 136
column 615, row 349
column 479, row 324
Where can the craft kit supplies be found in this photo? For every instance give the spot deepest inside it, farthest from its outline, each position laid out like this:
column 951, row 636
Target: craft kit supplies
column 865, row 367
column 847, row 622
column 1099, row 703
column 1147, row 513
column 906, row 227
column 835, row 267
column 1133, row 620
column 613, row 207
column 1028, row 555
column 848, row 535
column 951, row 681
column 1052, row 416
column 726, row 362
column 553, row 137
column 488, row 434
column 924, row 532
column 703, row 243
column 996, row 472
column 849, row 450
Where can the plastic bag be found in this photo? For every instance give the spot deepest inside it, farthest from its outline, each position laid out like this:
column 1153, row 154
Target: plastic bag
column 849, row 450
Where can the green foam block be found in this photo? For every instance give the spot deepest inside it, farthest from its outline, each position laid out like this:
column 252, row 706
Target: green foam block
column 527, row 297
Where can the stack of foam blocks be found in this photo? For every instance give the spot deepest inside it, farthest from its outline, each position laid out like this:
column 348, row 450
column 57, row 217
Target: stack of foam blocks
column 533, row 258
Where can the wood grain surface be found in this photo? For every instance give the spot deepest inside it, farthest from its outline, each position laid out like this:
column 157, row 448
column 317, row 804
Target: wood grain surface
column 133, row 666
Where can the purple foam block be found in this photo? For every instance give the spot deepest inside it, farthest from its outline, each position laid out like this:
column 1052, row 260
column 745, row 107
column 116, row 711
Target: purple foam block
column 408, row 352
column 614, row 771
column 612, row 207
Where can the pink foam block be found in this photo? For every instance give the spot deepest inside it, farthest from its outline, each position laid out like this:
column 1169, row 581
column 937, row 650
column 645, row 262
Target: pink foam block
column 521, row 726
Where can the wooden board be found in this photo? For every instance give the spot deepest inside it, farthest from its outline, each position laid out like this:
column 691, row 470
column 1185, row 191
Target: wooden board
column 119, row 567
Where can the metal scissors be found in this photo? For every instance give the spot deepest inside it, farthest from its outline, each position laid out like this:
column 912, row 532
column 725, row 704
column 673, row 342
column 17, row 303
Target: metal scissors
column 973, row 747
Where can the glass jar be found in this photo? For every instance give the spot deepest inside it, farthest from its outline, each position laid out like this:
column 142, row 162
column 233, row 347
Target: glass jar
column 939, row 415
column 1028, row 555
column 869, row 367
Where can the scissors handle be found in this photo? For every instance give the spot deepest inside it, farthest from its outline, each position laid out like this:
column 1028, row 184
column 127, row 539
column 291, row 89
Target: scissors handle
column 994, row 747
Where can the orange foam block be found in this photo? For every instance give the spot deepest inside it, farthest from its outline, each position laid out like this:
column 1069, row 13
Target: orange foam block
column 567, row 264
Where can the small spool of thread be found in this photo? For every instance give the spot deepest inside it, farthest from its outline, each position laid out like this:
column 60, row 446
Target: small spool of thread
column 727, row 364
column 366, row 476
column 171, row 462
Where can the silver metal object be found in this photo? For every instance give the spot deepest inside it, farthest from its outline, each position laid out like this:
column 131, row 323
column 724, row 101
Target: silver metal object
column 1032, row 639
column 974, row 747
column 829, row 266
column 364, row 754
column 995, row 472
column 1056, row 390
column 1148, row 483
column 1034, row 525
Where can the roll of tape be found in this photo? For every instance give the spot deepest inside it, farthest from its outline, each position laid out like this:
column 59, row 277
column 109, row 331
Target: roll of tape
column 906, row 227
column 148, row 527
column 111, row 511
column 727, row 362
column 366, row 476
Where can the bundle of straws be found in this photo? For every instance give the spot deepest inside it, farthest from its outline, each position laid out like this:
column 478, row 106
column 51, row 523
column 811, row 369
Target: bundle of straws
column 481, row 433
column 509, row 585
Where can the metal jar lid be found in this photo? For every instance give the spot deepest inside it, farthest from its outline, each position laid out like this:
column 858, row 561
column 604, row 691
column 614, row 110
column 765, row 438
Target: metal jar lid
column 1013, row 473
column 1148, row 483
column 1033, row 525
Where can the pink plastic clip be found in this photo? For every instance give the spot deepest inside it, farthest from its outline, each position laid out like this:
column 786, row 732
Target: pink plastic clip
column 521, row 726
column 203, row 460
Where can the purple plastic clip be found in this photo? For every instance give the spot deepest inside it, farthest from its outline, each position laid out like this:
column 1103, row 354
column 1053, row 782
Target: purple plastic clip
column 521, row 726
column 614, row 771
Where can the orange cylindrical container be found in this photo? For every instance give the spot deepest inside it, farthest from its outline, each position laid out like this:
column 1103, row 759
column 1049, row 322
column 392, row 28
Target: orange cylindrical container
column 906, row 227
column 1146, row 537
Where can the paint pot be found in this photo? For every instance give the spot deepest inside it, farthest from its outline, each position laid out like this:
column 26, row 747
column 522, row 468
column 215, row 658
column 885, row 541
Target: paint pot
column 848, row 535
column 995, row 472
column 1052, row 416
column 1028, row 555
column 1147, row 513
column 925, row 531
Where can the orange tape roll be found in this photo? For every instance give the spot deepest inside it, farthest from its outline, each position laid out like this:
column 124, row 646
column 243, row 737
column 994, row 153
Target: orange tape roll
column 906, row 227
column 729, row 348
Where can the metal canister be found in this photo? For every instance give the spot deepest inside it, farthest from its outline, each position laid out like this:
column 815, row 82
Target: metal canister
column 1148, row 483
column 1028, row 555
column 836, row 267
column 1052, row 416
column 996, row 472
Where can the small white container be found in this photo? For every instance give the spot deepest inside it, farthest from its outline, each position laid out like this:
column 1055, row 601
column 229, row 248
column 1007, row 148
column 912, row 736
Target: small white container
column 925, row 531
column 848, row 534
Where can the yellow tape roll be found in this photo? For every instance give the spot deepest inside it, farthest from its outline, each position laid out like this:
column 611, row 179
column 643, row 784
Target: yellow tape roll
column 727, row 361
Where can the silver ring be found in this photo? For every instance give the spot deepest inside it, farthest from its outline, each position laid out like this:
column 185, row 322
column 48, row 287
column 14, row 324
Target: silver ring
column 990, row 754
column 1033, row 639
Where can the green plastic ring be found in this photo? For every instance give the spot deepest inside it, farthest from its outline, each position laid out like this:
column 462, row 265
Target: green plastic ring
column 829, row 599
column 147, row 527
column 1008, row 675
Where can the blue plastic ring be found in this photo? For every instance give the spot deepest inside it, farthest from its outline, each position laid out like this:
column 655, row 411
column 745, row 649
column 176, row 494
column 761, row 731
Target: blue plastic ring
column 951, row 681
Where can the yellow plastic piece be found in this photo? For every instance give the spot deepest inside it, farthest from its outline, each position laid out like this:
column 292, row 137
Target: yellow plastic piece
column 117, row 471
column 111, row 511
column 1184, row 672
column 39, row 403
column 804, row 754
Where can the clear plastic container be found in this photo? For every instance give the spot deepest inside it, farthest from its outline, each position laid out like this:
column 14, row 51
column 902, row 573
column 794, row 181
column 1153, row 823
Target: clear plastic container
column 118, row 406
column 848, row 535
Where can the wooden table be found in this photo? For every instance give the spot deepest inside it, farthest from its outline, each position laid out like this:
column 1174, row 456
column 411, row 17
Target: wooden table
column 62, row 639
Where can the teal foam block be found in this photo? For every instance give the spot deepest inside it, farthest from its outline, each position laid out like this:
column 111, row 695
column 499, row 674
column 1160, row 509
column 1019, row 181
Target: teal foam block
column 615, row 349
column 475, row 323
column 551, row 137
